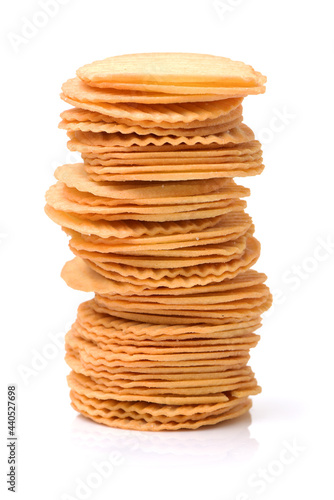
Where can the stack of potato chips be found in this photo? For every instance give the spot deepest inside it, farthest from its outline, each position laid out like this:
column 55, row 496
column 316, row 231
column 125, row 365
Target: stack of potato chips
column 160, row 234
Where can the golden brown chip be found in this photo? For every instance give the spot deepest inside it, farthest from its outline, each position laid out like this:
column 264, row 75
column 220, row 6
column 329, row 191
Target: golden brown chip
column 198, row 317
column 127, row 329
column 164, row 72
column 234, row 223
column 79, row 91
column 87, row 275
column 86, row 142
column 93, row 408
column 130, row 228
column 87, row 386
column 60, row 198
column 83, row 115
column 183, row 113
column 75, row 176
column 204, row 127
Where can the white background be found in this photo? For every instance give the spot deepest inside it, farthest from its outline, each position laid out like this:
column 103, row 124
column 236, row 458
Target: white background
column 289, row 41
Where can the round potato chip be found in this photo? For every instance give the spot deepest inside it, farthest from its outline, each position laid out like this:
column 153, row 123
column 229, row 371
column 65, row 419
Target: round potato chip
column 174, row 72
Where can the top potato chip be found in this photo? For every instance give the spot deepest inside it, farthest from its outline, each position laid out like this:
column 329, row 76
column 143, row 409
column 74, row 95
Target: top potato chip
column 169, row 72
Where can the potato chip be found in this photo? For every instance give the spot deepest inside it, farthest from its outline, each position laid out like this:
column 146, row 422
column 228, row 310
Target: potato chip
column 84, row 115
column 211, row 74
column 160, row 113
column 81, row 92
column 124, row 420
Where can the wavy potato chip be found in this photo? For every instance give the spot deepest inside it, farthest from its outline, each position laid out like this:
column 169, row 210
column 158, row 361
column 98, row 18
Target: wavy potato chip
column 85, row 115
column 93, row 409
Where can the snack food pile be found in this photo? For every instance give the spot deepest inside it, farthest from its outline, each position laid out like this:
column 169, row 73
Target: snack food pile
column 159, row 231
